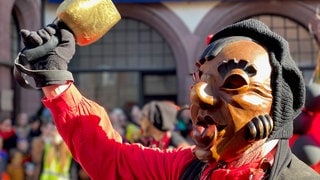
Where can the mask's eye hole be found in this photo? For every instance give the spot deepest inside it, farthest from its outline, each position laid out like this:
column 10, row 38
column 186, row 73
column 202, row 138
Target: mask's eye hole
column 236, row 80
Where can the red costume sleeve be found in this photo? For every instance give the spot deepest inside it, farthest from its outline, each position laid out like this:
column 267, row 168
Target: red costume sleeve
column 87, row 130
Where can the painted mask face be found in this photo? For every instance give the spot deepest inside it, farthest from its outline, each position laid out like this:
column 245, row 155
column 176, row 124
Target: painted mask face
column 228, row 92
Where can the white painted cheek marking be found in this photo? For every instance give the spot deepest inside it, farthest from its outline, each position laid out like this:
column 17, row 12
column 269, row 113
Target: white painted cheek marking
column 254, row 100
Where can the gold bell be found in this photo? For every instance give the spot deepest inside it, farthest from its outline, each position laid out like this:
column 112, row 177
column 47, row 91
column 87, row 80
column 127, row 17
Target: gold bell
column 89, row 20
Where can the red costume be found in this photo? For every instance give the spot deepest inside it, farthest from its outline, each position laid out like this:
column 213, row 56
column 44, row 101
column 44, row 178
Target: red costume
column 77, row 120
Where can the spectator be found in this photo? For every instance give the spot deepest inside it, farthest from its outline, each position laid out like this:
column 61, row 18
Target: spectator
column 21, row 125
column 133, row 111
column 132, row 130
column 305, row 143
column 3, row 161
column 184, row 123
column 35, row 124
column 119, row 121
column 7, row 133
column 132, row 133
column 157, row 125
column 15, row 167
column 23, row 145
column 50, row 155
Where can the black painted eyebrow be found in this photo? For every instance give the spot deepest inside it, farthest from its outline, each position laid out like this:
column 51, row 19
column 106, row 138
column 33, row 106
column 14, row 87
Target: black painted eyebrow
column 226, row 66
column 205, row 59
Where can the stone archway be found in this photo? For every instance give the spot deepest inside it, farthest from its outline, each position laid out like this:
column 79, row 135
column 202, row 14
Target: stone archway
column 27, row 15
column 223, row 14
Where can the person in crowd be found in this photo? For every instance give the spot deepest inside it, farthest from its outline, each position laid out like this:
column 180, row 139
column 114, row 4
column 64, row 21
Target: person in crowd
column 132, row 130
column 23, row 145
column 21, row 125
column 35, row 127
column 305, row 143
column 184, row 123
column 19, row 158
column 7, row 133
column 119, row 121
column 132, row 133
column 42, row 132
column 157, row 125
column 133, row 112
column 15, row 167
column 246, row 92
column 3, row 162
column 51, row 157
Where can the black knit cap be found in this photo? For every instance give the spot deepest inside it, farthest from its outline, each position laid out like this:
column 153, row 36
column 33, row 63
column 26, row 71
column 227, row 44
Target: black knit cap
column 287, row 83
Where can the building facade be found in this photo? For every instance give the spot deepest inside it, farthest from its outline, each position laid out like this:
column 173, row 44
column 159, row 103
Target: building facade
column 151, row 52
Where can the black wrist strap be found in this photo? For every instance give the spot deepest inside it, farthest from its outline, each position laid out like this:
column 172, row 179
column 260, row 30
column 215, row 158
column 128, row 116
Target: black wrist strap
column 42, row 78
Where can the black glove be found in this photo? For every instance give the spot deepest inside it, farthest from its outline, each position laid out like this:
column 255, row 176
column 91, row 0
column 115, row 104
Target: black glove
column 46, row 56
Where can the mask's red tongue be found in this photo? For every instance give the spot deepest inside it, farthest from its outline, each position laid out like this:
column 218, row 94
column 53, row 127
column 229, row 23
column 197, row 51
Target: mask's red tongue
column 204, row 138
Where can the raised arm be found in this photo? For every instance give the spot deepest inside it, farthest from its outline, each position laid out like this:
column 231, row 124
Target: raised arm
column 84, row 125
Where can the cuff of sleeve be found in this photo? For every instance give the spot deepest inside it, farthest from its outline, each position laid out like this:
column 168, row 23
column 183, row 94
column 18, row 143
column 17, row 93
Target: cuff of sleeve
column 68, row 99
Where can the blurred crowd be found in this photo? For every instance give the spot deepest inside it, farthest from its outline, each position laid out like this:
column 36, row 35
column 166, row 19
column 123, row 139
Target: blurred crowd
column 160, row 124
column 305, row 143
column 32, row 149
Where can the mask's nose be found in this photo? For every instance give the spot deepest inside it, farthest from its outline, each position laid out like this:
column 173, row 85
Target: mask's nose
column 202, row 92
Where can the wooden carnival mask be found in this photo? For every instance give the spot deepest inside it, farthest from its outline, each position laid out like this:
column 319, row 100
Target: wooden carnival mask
column 229, row 100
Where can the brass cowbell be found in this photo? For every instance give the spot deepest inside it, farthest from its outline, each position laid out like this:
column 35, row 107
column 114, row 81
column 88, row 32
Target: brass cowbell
column 89, row 20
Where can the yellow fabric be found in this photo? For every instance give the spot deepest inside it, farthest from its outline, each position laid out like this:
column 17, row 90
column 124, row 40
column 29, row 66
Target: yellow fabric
column 133, row 133
column 52, row 167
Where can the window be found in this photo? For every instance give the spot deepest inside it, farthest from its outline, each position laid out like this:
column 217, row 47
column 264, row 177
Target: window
column 303, row 47
column 112, row 70
column 14, row 37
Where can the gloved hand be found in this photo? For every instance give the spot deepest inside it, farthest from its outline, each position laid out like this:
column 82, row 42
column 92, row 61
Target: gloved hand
column 46, row 54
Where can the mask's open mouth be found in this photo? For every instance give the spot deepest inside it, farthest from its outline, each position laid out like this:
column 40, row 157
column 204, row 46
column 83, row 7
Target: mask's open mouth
column 207, row 121
column 206, row 131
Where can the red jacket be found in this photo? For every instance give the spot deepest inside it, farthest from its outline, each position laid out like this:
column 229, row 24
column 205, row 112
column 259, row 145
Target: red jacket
column 87, row 130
